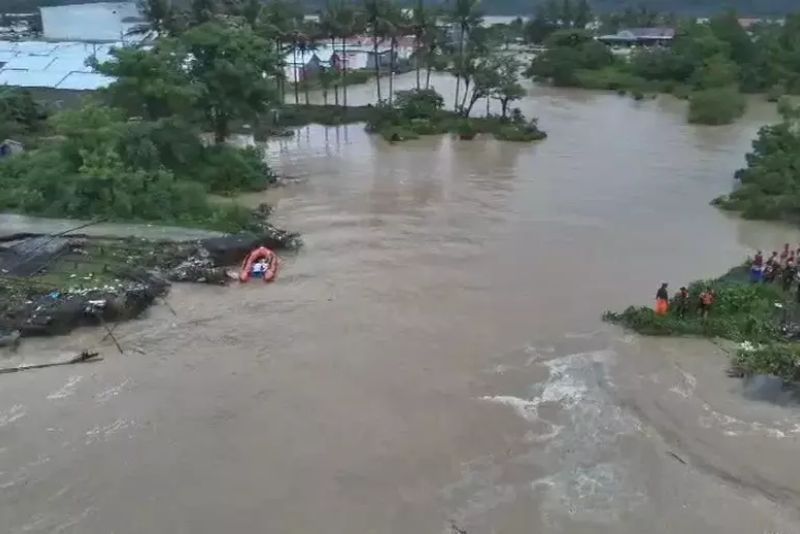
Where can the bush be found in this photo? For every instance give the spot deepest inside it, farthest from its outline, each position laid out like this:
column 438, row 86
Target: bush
column 466, row 130
column 225, row 169
column 716, row 106
column 418, row 103
column 395, row 134
column 511, row 132
column 779, row 359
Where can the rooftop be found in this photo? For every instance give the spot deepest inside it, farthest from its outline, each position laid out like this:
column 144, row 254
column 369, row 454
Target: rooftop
column 53, row 65
column 640, row 34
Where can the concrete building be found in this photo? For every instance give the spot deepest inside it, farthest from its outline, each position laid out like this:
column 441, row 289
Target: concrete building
column 102, row 22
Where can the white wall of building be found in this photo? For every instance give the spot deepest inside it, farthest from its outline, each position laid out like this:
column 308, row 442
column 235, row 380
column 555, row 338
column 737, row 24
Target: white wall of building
column 107, row 21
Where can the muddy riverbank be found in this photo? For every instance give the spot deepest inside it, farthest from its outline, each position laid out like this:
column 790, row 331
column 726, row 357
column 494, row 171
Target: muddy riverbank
column 56, row 282
column 435, row 356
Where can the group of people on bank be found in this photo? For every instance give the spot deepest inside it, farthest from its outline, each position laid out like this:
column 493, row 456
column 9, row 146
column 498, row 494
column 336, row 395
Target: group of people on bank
column 778, row 268
column 684, row 303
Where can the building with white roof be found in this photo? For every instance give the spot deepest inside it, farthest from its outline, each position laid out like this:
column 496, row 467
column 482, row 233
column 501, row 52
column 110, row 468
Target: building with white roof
column 53, row 65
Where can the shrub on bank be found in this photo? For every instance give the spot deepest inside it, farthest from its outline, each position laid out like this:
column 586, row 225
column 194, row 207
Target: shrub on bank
column 779, row 359
column 716, row 106
column 227, row 170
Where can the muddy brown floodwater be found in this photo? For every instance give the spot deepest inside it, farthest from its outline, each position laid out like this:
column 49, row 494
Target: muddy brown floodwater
column 434, row 359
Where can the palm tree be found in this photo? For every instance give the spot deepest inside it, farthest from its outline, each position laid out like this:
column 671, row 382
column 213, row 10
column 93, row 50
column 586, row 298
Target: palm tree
column 466, row 16
column 397, row 25
column 375, row 12
column 423, row 22
column 329, row 26
column 349, row 22
column 278, row 22
column 305, row 45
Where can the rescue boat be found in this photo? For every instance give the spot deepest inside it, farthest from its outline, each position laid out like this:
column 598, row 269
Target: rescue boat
column 256, row 255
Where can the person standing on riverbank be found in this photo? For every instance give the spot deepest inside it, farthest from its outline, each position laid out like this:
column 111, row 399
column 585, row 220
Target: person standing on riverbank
column 785, row 254
column 757, row 268
column 789, row 275
column 682, row 302
column 706, row 301
column 773, row 260
column 662, row 300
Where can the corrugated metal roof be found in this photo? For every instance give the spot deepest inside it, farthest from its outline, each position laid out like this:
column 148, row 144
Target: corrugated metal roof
column 60, row 65
column 85, row 81
column 29, row 62
column 36, row 48
column 68, row 64
column 23, row 78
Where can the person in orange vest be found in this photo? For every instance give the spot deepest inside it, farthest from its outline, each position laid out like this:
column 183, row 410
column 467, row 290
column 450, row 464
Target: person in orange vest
column 662, row 300
column 706, row 301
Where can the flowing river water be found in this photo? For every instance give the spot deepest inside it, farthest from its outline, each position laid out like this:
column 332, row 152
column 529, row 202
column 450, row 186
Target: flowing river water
column 434, row 359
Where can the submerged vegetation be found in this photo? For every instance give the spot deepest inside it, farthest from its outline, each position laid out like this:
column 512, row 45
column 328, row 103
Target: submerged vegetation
column 755, row 316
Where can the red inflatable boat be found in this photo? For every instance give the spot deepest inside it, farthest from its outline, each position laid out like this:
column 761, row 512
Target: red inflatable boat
column 253, row 259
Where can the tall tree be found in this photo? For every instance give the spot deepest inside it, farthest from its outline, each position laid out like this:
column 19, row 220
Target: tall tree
column 233, row 69
column 203, row 11
column 150, row 83
column 375, row 12
column 508, row 88
column 158, row 14
column 277, row 22
column 397, row 25
column 350, row 22
column 423, row 23
column 466, row 16
column 251, row 11
column 583, row 15
column 329, row 26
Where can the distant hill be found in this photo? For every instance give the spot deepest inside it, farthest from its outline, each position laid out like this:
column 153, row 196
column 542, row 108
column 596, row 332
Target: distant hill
column 526, row 7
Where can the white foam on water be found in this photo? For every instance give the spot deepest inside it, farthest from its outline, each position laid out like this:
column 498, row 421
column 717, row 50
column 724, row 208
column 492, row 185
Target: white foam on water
column 108, row 394
column 67, row 390
column 98, row 433
column 12, row 414
column 585, row 483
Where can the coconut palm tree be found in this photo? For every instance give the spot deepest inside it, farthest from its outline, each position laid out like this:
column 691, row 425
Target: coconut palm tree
column 329, row 27
column 305, row 44
column 423, row 23
column 466, row 16
column 375, row 14
column 350, row 22
column 397, row 25
column 278, row 22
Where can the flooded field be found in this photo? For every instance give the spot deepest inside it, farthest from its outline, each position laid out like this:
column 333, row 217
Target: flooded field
column 434, row 359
